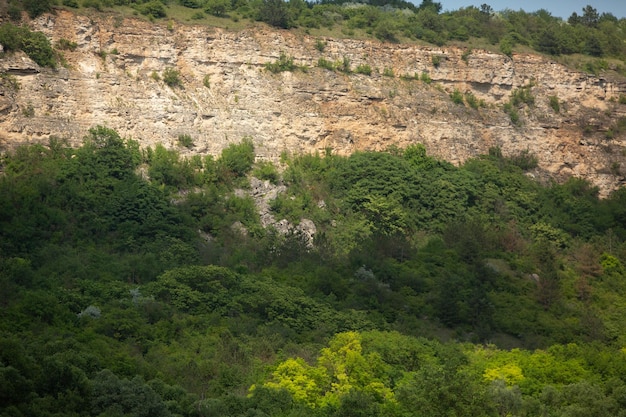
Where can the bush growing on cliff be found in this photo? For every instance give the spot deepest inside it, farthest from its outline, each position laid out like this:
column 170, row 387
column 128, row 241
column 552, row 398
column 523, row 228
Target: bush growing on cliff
column 284, row 63
column 153, row 9
column 554, row 103
column 238, row 158
column 171, row 77
column 456, row 96
column 34, row 44
column 364, row 69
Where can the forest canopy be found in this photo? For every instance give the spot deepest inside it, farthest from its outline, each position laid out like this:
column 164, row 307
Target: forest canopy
column 428, row 289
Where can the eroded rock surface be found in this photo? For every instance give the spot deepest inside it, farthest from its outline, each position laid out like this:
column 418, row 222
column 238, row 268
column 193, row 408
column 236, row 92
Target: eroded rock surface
column 115, row 79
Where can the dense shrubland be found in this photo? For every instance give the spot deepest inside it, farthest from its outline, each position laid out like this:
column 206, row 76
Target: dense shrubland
column 430, row 290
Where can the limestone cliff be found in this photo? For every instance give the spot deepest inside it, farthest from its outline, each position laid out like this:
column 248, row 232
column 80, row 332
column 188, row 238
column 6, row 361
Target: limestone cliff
column 226, row 94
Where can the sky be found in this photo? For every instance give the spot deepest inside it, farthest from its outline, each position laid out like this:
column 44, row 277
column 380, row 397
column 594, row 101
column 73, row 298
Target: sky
column 557, row 8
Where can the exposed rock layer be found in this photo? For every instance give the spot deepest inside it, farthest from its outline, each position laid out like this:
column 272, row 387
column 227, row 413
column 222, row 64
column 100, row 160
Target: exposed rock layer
column 227, row 94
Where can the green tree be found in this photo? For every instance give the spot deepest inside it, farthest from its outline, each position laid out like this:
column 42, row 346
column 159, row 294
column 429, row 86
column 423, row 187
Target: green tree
column 275, row 13
column 218, row 7
column 590, row 16
column 114, row 396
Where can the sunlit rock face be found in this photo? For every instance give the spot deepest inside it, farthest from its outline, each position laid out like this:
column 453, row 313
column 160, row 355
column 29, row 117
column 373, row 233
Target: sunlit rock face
column 114, row 77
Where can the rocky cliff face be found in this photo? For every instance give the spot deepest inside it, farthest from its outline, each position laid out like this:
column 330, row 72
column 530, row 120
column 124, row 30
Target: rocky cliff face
column 226, row 94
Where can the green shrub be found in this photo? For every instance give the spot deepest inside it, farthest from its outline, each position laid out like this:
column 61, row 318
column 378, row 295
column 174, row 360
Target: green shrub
column 386, row 31
column 9, row 81
column 388, row 72
column 326, row 64
column 266, row 170
column 344, row 65
column 171, row 77
column 466, row 54
column 191, row 4
column 522, row 95
column 436, row 59
column 218, row 7
column 622, row 99
column 94, row 4
column 425, row 77
column 525, row 160
column 64, row 44
column 238, row 158
column 472, row 101
column 615, row 168
column 206, row 81
column 153, row 9
column 28, row 111
column 275, row 13
column 512, row 112
column 364, row 69
column 199, row 15
column 185, row 140
column 320, row 45
column 506, row 47
column 554, row 103
column 284, row 63
column 15, row 12
column 456, row 97
column 71, row 3
column 34, row 44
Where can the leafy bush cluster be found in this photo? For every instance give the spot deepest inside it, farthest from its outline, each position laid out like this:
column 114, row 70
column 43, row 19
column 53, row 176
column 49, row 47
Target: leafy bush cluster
column 34, row 44
column 138, row 282
column 171, row 77
column 284, row 63
column 520, row 97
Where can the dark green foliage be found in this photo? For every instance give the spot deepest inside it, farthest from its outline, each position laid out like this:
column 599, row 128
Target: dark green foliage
column 266, row 171
column 120, row 266
column 171, row 77
column 94, row 4
column 34, row 44
column 115, row 396
column 364, row 69
column 37, row 7
column 554, row 103
column 185, row 140
column 326, row 64
column 284, row 63
column 393, row 21
column 472, row 101
column 218, row 7
column 456, row 97
column 15, row 11
column 275, row 13
column 65, row 44
column 71, row 3
column 154, row 9
column 237, row 159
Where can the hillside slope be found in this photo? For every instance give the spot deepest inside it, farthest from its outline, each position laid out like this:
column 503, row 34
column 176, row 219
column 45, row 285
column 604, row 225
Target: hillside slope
column 115, row 77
